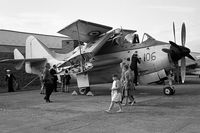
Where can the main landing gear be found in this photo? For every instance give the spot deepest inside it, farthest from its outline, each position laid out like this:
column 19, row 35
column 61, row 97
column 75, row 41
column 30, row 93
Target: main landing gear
column 169, row 90
column 84, row 90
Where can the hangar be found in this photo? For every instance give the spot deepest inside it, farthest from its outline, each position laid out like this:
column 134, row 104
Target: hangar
column 15, row 39
column 9, row 40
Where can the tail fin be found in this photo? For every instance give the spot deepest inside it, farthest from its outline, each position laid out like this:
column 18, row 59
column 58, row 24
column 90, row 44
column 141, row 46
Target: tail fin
column 36, row 49
column 18, row 54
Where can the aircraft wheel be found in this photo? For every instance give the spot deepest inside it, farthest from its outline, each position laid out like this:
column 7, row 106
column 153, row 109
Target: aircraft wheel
column 168, row 90
column 84, row 91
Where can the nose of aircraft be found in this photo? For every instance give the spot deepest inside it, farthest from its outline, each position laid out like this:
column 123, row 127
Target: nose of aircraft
column 177, row 52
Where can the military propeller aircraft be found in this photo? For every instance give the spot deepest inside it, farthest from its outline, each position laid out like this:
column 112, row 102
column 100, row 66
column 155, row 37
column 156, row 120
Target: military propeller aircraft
column 102, row 51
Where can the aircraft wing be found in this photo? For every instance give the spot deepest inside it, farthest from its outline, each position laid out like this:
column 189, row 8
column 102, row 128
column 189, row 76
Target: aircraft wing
column 88, row 31
column 88, row 50
column 95, row 35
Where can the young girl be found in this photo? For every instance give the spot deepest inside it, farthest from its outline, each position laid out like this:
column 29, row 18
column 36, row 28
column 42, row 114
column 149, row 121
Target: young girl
column 116, row 93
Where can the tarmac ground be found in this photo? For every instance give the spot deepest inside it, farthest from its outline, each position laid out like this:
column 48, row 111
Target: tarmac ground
column 27, row 112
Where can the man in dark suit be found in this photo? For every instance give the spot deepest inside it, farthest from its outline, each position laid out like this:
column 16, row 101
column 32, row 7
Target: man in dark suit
column 48, row 82
column 55, row 78
column 10, row 78
column 134, row 61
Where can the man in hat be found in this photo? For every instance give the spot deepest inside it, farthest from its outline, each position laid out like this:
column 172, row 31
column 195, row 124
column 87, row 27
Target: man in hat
column 48, row 82
column 134, row 61
column 10, row 78
column 55, row 78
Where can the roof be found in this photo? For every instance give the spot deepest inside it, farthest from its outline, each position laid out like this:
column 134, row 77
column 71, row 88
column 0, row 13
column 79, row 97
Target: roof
column 17, row 38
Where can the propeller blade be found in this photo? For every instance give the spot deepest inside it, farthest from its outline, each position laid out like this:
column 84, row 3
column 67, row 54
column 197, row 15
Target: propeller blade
column 174, row 44
column 190, row 56
column 166, row 50
column 183, row 35
column 183, row 67
column 174, row 32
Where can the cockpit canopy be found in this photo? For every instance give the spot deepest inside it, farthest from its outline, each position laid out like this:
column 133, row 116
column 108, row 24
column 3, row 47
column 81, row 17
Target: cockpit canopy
column 132, row 38
column 147, row 37
column 125, row 36
column 121, row 36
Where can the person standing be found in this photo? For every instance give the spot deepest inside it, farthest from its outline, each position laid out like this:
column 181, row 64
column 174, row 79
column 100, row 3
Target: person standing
column 116, row 94
column 10, row 78
column 48, row 82
column 133, row 66
column 127, row 85
column 65, row 81
column 55, row 78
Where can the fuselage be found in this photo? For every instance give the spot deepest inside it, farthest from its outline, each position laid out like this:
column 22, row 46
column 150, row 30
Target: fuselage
column 154, row 62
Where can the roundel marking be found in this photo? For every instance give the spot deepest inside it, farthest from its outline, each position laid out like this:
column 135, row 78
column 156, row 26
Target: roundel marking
column 94, row 33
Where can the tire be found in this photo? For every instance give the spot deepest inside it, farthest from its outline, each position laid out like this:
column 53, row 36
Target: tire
column 168, row 91
column 84, row 91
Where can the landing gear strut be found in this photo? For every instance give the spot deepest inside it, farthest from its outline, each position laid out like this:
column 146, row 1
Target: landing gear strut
column 169, row 90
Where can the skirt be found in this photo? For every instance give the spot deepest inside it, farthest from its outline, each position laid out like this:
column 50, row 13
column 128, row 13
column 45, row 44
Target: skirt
column 115, row 96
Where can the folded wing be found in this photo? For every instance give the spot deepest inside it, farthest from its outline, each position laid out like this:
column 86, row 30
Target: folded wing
column 88, row 31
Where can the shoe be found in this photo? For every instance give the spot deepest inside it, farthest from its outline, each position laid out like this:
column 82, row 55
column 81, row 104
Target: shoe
column 108, row 111
column 48, row 101
column 124, row 104
column 133, row 103
column 119, row 111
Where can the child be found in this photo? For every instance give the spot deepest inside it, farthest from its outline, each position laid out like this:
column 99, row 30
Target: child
column 116, row 94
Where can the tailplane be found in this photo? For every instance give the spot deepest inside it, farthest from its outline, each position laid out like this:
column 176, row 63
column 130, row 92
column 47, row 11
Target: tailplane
column 18, row 54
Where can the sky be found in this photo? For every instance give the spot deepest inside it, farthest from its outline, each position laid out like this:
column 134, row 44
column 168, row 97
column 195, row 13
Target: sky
column 154, row 17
